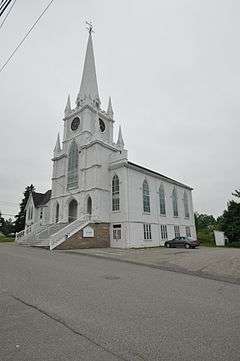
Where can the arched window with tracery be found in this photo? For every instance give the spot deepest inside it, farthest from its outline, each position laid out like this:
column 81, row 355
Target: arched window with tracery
column 162, row 200
column 115, row 193
column 185, row 203
column 175, row 202
column 72, row 181
column 146, row 197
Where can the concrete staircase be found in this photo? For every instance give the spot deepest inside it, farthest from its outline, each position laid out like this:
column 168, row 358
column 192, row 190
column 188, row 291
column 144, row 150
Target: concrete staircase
column 53, row 235
column 37, row 234
column 63, row 234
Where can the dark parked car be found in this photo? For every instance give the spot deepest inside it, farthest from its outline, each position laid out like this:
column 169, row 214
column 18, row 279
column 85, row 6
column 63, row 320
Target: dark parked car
column 187, row 242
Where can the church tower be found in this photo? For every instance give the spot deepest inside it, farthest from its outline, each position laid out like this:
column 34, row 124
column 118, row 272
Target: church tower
column 80, row 166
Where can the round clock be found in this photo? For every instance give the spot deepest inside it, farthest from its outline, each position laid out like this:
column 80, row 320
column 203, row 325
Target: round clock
column 101, row 125
column 75, row 123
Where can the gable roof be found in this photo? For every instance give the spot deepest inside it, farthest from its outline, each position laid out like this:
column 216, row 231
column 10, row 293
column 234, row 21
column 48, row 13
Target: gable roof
column 152, row 172
column 40, row 199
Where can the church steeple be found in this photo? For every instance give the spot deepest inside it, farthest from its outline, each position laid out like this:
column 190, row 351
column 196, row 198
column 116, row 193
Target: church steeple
column 89, row 87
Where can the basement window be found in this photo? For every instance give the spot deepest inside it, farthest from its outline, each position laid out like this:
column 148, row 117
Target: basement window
column 147, row 231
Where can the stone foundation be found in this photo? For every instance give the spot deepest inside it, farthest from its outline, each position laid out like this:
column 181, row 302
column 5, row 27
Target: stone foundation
column 101, row 238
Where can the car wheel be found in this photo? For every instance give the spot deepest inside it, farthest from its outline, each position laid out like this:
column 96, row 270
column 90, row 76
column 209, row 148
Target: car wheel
column 187, row 245
column 168, row 245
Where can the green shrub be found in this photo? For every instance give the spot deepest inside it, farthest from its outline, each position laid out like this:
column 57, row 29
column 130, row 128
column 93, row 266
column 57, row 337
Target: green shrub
column 5, row 239
column 206, row 237
column 233, row 244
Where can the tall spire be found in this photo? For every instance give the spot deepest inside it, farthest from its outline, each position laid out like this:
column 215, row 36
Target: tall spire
column 110, row 109
column 68, row 106
column 89, row 86
column 57, row 148
column 120, row 141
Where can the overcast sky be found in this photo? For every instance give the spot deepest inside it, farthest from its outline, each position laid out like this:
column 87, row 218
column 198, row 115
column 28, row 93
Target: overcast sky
column 171, row 67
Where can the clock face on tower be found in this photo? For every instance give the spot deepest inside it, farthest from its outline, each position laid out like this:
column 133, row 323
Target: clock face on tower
column 102, row 125
column 75, row 123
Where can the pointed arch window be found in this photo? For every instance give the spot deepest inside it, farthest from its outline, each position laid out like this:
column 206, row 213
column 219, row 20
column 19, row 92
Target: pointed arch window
column 185, row 203
column 89, row 205
column 162, row 200
column 30, row 212
column 175, row 202
column 115, row 193
column 57, row 213
column 146, row 197
column 72, row 181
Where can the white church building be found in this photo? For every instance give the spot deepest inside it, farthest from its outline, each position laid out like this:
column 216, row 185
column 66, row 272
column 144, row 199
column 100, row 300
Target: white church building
column 98, row 197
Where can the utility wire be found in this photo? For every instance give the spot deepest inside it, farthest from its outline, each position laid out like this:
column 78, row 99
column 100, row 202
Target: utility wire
column 24, row 38
column 3, row 3
column 4, row 7
column 7, row 14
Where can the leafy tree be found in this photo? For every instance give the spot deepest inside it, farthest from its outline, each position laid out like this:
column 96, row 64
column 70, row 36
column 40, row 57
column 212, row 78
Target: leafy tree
column 236, row 193
column 230, row 221
column 205, row 224
column 2, row 223
column 20, row 217
column 7, row 226
column 204, row 221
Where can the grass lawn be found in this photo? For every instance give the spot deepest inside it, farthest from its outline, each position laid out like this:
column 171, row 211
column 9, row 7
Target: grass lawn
column 5, row 239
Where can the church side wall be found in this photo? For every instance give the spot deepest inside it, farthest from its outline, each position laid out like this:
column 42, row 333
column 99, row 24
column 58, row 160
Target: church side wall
column 137, row 217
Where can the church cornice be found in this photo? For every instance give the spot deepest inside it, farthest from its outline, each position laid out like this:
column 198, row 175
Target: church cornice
column 56, row 178
column 101, row 113
column 152, row 173
column 118, row 164
column 60, row 156
column 91, row 166
column 104, row 115
column 67, row 194
column 101, row 142
column 78, row 110
column 77, row 135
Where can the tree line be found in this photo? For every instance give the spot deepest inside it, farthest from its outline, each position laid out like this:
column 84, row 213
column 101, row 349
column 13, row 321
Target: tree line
column 9, row 227
column 228, row 222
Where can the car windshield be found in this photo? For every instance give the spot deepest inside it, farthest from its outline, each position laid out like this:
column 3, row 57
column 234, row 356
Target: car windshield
column 191, row 239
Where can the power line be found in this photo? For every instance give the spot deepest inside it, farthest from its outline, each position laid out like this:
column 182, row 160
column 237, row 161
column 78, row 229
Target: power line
column 24, row 38
column 4, row 6
column 3, row 3
column 7, row 14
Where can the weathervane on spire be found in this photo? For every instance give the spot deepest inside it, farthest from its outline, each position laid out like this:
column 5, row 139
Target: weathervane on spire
column 90, row 27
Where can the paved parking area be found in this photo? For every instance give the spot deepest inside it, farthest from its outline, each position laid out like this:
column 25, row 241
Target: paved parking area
column 215, row 263
column 64, row 306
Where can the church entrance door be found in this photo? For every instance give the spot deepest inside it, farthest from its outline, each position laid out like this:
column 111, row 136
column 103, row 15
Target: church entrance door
column 72, row 211
column 89, row 205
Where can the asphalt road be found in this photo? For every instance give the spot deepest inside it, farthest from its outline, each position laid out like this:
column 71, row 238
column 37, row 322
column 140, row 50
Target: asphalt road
column 65, row 306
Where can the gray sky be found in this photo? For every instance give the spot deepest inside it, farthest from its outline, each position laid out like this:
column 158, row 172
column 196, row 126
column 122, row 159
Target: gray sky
column 171, row 67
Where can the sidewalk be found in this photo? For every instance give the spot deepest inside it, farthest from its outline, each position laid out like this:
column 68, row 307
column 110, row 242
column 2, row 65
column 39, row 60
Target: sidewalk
column 216, row 263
